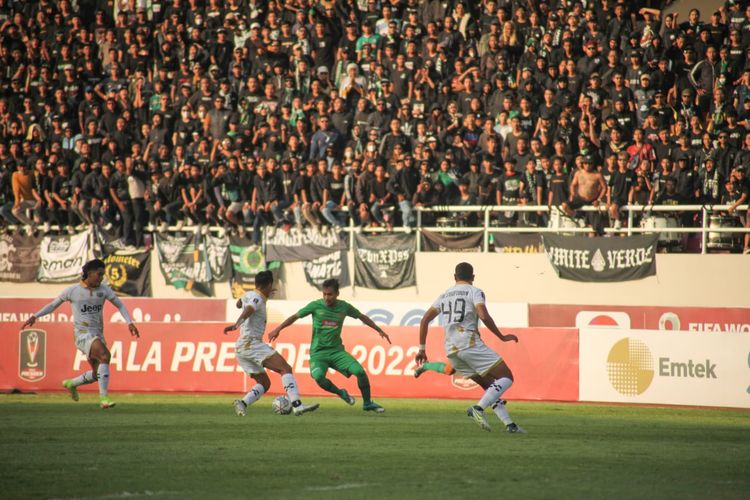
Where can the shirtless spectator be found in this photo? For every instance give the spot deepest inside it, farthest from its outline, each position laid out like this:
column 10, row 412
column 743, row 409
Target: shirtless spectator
column 587, row 188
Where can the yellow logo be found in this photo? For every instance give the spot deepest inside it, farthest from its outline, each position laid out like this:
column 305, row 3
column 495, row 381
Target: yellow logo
column 630, row 367
column 116, row 274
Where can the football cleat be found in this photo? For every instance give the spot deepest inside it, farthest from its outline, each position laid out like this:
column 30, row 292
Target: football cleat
column 346, row 397
column 240, row 408
column 514, row 429
column 105, row 402
column 419, row 371
column 303, row 408
column 68, row 384
column 477, row 413
column 373, row 406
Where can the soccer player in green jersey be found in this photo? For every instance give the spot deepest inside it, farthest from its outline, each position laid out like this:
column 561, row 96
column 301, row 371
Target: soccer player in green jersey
column 327, row 350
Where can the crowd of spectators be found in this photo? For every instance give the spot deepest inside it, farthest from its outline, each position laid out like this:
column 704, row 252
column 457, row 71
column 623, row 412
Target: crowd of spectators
column 139, row 114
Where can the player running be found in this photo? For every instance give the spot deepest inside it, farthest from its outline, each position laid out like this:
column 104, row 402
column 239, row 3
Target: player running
column 327, row 350
column 460, row 309
column 87, row 302
column 254, row 356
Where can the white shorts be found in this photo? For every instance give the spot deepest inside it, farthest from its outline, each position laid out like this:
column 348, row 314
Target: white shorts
column 84, row 341
column 477, row 360
column 251, row 358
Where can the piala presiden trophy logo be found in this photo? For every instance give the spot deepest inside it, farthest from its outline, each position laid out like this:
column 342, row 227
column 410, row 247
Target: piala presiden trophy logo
column 630, row 367
column 32, row 354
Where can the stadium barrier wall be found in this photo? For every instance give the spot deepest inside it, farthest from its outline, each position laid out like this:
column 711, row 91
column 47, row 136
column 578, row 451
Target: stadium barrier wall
column 676, row 368
column 197, row 357
column 682, row 280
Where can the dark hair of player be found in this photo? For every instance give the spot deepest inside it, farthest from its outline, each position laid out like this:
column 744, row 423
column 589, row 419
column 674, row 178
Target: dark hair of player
column 464, row 271
column 332, row 284
column 263, row 278
column 92, row 265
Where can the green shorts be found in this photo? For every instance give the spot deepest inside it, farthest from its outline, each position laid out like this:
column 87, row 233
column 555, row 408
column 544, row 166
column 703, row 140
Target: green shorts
column 338, row 359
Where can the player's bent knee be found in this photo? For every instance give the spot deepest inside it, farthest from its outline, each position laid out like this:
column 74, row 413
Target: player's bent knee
column 357, row 371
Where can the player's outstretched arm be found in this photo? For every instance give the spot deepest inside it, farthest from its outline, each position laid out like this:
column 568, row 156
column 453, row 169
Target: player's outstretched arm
column 424, row 324
column 273, row 334
column 125, row 314
column 43, row 312
column 484, row 315
column 246, row 313
column 369, row 322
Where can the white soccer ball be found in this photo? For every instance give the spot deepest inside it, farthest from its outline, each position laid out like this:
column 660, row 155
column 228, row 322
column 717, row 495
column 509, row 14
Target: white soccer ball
column 282, row 406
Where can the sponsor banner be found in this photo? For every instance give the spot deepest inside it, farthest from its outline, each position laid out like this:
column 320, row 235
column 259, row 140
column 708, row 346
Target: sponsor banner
column 62, row 258
column 333, row 265
column 247, row 261
column 602, row 259
column 506, row 315
column 681, row 368
column 295, row 245
column 438, row 242
column 13, row 312
column 19, row 258
column 698, row 319
column 183, row 262
column 217, row 252
column 129, row 274
column 518, row 243
column 197, row 357
column 385, row 261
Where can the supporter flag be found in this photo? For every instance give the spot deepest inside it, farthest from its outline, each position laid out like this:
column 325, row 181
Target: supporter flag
column 247, row 261
column 308, row 244
column 19, row 258
column 184, row 262
column 217, row 249
column 451, row 242
column 517, row 243
column 129, row 273
column 62, row 257
column 385, row 261
column 602, row 259
column 333, row 265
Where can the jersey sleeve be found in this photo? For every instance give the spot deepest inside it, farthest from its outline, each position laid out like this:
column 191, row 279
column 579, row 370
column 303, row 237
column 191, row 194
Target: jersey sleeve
column 352, row 311
column 437, row 304
column 477, row 296
column 308, row 309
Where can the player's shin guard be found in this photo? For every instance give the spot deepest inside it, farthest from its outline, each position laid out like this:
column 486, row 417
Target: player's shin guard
column 103, row 375
column 254, row 395
column 290, row 386
column 494, row 391
column 364, row 386
column 86, row 378
column 502, row 412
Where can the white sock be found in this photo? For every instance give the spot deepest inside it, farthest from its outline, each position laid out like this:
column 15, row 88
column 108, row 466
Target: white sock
column 254, row 395
column 494, row 391
column 103, row 379
column 502, row 412
column 290, row 386
column 83, row 379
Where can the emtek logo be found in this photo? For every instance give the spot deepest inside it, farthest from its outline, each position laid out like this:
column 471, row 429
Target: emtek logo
column 630, row 367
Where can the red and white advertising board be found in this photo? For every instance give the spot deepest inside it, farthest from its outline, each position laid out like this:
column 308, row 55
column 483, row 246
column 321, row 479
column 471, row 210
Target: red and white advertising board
column 193, row 357
column 143, row 310
column 694, row 319
column 681, row 368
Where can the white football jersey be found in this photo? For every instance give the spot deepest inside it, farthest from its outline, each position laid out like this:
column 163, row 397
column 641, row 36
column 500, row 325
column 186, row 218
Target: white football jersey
column 458, row 315
column 252, row 328
column 87, row 305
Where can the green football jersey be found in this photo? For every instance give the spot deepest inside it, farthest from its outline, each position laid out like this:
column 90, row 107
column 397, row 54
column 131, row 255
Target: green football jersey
column 327, row 322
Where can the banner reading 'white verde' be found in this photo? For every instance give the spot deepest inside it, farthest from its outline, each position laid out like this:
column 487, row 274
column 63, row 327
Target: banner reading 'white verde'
column 681, row 368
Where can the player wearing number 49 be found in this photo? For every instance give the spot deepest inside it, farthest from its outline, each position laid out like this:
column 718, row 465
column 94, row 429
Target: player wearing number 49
column 87, row 302
column 254, row 356
column 327, row 350
column 460, row 309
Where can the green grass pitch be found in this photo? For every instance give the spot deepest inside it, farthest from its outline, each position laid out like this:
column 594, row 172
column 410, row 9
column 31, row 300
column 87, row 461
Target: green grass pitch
column 168, row 446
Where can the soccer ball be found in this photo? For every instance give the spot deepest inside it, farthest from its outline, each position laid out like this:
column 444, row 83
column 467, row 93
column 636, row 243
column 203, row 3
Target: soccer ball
column 282, row 406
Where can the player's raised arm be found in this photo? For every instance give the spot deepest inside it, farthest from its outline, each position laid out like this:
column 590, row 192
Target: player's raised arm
column 369, row 322
column 246, row 313
column 45, row 310
column 484, row 315
column 424, row 324
column 273, row 334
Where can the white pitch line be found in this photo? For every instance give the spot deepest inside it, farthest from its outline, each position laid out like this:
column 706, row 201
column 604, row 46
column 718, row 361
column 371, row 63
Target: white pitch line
column 347, row 486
